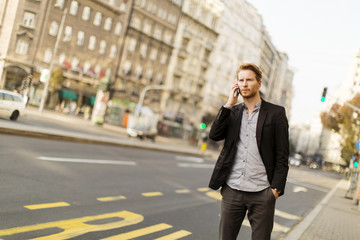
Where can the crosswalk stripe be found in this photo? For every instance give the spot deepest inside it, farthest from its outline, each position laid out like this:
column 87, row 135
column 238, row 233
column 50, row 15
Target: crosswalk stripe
column 109, row 199
column 175, row 235
column 47, row 205
column 140, row 232
column 152, row 194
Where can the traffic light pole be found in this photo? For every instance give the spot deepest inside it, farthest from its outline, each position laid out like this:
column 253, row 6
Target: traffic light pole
column 56, row 46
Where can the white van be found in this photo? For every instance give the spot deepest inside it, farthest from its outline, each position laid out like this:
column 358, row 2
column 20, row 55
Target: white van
column 12, row 104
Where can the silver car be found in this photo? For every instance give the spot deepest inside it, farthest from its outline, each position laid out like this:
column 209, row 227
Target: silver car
column 12, row 105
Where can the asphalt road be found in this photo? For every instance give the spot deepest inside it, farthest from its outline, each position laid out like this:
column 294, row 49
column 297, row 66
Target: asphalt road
column 84, row 191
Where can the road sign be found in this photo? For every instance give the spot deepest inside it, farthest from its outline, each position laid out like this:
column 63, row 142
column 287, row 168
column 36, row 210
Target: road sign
column 357, row 144
column 45, row 75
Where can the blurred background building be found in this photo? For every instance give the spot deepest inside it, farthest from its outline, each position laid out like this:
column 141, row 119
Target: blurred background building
column 190, row 50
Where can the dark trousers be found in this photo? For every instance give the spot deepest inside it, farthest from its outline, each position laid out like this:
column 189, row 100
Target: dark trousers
column 259, row 206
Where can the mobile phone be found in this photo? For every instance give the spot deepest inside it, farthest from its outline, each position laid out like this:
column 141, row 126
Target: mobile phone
column 237, row 92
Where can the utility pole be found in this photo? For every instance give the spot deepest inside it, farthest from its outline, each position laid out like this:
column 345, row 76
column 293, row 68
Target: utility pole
column 56, row 46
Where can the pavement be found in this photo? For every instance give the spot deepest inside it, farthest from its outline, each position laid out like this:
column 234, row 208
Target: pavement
column 334, row 218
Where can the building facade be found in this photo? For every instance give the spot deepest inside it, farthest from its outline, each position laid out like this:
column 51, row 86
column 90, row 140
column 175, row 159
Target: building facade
column 146, row 52
column 190, row 62
column 90, row 39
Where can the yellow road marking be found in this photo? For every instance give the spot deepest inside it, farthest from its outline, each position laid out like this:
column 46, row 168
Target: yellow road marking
column 78, row 226
column 215, row 195
column 203, row 189
column 175, row 235
column 109, row 199
column 47, row 205
column 182, row 191
column 139, row 232
column 152, row 194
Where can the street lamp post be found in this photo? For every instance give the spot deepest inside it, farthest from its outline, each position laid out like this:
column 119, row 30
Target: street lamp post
column 142, row 96
column 52, row 62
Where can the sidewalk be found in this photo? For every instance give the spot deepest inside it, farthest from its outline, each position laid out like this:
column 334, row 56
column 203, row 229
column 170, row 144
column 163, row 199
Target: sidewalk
column 334, row 218
column 85, row 131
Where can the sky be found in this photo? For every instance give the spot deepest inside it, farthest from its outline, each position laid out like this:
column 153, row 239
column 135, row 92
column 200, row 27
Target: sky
column 321, row 38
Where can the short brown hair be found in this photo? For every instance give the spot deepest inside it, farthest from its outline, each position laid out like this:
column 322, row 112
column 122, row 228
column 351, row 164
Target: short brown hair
column 251, row 67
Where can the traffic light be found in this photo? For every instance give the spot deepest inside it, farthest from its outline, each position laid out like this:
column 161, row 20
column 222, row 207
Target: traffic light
column 324, row 94
column 202, row 126
column 356, row 160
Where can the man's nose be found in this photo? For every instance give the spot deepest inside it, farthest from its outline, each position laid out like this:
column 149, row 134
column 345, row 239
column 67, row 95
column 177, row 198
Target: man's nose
column 244, row 83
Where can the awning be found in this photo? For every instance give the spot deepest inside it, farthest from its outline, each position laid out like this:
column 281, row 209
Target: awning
column 65, row 94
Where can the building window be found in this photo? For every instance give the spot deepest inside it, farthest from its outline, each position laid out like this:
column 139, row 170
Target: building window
column 159, row 79
column 80, row 38
column 62, row 58
column 87, row 66
column 138, row 72
column 113, row 51
column 132, row 44
column 153, row 54
column 102, row 47
column 74, row 8
column 22, row 47
column 143, row 49
column 75, row 63
column 59, row 4
column 86, row 13
column 54, row 27
column 108, row 23
column 127, row 67
column 47, row 55
column 29, row 20
column 158, row 33
column 123, row 7
column 118, row 28
column 163, row 58
column 147, row 27
column 168, row 37
column 135, row 22
column 67, row 34
column 149, row 75
column 92, row 42
column 97, row 19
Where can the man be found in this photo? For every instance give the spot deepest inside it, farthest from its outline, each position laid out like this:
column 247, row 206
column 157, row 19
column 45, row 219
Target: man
column 253, row 164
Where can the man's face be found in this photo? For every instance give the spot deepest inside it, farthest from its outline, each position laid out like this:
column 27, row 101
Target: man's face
column 248, row 84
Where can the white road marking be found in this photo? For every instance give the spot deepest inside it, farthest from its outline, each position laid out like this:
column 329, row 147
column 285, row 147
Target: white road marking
column 296, row 233
column 190, row 159
column 79, row 160
column 307, row 185
column 299, row 189
column 195, row 165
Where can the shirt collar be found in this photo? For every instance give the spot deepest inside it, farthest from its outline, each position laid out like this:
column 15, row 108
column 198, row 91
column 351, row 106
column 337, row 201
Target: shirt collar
column 257, row 106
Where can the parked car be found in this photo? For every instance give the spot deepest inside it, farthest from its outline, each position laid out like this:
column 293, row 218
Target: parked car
column 142, row 132
column 12, row 105
column 294, row 161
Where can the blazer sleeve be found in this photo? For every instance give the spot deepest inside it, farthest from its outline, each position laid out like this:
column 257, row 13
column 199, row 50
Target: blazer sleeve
column 219, row 127
column 281, row 167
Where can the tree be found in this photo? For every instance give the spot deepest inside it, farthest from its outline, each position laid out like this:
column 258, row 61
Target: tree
column 343, row 120
column 57, row 79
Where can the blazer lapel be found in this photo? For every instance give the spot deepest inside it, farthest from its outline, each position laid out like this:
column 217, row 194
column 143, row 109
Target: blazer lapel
column 237, row 124
column 260, row 123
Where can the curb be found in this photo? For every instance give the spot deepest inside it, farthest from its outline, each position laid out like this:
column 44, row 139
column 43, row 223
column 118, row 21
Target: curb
column 52, row 136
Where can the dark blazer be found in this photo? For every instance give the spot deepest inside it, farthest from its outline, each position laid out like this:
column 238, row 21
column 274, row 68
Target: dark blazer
column 272, row 136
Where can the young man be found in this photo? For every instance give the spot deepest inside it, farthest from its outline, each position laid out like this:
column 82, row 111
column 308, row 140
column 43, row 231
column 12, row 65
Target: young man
column 253, row 164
